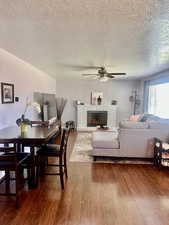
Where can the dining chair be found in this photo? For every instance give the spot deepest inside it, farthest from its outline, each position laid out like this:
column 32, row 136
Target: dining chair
column 11, row 161
column 56, row 151
column 32, row 161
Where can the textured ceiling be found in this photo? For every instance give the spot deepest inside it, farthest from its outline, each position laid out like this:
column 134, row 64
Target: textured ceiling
column 129, row 36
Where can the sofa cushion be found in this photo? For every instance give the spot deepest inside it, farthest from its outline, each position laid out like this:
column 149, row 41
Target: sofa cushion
column 158, row 125
column 106, row 140
column 133, row 125
column 149, row 117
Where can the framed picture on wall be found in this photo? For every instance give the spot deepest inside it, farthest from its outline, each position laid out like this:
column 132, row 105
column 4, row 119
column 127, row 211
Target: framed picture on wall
column 7, row 93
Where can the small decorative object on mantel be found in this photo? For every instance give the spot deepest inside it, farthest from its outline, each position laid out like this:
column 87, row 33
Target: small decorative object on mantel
column 79, row 102
column 99, row 100
column 114, row 102
column 23, row 122
column 7, row 93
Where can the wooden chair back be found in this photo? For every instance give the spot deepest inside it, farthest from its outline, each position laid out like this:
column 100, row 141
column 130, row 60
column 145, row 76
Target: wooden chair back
column 64, row 139
column 8, row 151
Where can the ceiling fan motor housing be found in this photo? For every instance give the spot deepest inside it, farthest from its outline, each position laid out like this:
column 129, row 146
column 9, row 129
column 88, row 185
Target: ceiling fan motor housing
column 102, row 71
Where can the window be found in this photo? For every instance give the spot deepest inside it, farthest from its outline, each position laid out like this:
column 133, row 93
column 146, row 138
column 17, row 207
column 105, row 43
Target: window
column 158, row 97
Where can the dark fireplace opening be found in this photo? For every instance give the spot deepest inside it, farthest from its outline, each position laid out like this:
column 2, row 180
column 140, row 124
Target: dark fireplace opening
column 95, row 118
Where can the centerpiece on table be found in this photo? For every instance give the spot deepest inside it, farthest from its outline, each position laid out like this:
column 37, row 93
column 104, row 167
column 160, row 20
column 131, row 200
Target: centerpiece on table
column 23, row 122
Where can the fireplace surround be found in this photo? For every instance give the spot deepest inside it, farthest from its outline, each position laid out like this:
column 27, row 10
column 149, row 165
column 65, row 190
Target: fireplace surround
column 85, row 111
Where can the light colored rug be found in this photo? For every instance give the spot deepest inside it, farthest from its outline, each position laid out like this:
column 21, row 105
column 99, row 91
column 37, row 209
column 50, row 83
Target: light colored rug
column 83, row 148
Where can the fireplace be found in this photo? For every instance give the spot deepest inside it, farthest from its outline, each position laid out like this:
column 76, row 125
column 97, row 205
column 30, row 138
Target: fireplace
column 84, row 113
column 95, row 118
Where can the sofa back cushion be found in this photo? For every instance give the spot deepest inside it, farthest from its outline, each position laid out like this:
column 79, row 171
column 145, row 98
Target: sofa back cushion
column 158, row 125
column 149, row 117
column 133, row 125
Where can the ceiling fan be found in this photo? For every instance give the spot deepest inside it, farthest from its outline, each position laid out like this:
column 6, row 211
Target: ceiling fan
column 103, row 75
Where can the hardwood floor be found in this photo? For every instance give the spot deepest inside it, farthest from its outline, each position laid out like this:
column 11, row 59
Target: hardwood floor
column 95, row 194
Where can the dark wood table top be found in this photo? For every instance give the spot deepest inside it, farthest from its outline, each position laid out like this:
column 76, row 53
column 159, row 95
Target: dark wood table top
column 36, row 133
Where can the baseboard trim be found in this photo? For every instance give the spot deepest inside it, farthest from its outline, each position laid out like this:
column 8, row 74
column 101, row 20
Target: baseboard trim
column 123, row 158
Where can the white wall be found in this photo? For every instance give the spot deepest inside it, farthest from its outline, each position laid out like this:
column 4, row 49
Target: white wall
column 119, row 90
column 26, row 80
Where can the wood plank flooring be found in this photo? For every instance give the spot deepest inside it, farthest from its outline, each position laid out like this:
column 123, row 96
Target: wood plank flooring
column 95, row 194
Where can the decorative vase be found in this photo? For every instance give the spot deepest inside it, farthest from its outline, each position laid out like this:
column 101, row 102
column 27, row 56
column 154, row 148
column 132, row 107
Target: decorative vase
column 114, row 102
column 24, row 127
column 23, row 123
column 99, row 100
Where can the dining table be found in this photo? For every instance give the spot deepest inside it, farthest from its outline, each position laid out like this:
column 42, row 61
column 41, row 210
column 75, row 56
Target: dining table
column 34, row 137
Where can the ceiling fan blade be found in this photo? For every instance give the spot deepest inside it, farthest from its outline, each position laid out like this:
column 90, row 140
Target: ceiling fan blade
column 116, row 73
column 77, row 67
column 90, row 74
column 110, row 76
column 80, row 67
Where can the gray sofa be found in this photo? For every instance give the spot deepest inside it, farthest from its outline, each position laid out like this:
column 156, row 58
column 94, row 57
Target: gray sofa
column 135, row 139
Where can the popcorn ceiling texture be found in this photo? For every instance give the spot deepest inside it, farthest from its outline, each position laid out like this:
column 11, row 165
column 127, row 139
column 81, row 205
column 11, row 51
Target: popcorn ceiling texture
column 130, row 35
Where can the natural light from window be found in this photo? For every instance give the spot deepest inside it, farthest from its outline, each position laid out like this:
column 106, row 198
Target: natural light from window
column 158, row 103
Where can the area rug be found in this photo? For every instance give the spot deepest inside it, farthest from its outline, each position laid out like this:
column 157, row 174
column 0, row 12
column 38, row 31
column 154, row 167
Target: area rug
column 82, row 152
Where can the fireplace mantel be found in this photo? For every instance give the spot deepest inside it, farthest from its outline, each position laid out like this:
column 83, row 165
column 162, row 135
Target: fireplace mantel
column 82, row 115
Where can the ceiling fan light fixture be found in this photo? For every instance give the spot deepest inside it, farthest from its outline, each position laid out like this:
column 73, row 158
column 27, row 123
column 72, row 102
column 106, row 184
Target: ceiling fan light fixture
column 103, row 79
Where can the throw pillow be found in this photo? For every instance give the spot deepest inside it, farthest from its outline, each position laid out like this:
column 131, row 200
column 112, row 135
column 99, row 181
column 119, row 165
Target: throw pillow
column 135, row 118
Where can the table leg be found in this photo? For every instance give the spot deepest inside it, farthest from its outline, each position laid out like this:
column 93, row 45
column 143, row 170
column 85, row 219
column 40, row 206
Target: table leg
column 19, row 146
column 7, row 177
column 33, row 167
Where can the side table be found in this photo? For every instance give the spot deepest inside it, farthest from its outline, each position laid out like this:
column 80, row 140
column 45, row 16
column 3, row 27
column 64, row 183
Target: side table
column 161, row 153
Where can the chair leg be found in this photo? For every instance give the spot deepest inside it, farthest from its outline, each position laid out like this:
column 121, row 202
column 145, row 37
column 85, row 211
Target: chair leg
column 61, row 172
column 29, row 177
column 17, row 188
column 65, row 165
column 42, row 164
column 37, row 176
column 7, row 181
column 37, row 170
column 22, row 148
column 94, row 158
column 46, row 162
